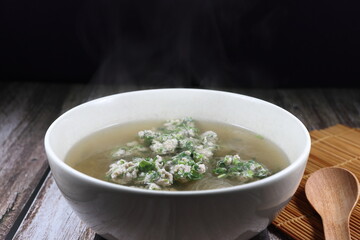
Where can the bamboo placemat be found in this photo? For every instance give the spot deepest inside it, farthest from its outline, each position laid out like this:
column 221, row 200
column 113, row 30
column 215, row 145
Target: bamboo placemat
column 335, row 146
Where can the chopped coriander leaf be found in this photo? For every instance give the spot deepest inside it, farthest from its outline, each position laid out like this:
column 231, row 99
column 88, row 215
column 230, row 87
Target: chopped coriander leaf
column 245, row 171
column 146, row 166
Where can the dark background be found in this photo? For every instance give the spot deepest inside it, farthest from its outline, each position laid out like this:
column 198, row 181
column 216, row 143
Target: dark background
column 212, row 43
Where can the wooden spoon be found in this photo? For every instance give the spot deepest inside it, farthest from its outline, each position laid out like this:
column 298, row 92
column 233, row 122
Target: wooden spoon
column 333, row 192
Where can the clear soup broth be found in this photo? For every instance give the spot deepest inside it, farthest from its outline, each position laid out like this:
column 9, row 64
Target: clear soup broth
column 193, row 168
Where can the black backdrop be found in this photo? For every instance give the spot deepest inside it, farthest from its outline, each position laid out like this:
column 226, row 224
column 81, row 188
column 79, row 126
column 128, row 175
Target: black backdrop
column 191, row 43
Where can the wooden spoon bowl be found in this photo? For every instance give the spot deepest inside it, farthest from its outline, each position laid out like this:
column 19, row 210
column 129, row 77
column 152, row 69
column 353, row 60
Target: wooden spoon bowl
column 333, row 192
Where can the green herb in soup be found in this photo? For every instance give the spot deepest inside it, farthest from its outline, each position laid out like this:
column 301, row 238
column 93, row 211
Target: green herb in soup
column 244, row 171
column 182, row 154
column 175, row 153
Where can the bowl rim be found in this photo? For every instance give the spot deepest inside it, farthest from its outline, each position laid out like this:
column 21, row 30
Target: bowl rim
column 54, row 159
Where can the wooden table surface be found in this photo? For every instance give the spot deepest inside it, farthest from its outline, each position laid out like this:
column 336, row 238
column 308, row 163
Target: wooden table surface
column 31, row 206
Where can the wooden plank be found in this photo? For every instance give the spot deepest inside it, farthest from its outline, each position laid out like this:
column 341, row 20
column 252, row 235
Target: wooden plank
column 310, row 107
column 80, row 93
column 316, row 108
column 34, row 226
column 345, row 104
column 26, row 112
column 321, row 108
column 50, row 217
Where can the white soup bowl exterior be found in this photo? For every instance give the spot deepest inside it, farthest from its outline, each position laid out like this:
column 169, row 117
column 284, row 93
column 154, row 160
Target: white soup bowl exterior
column 120, row 212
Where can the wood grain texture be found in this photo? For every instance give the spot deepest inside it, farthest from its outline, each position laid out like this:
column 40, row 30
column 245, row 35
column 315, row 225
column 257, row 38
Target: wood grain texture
column 26, row 111
column 316, row 108
column 333, row 193
column 43, row 220
column 50, row 217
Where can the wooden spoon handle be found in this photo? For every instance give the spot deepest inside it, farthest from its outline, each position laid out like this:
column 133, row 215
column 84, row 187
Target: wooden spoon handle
column 336, row 231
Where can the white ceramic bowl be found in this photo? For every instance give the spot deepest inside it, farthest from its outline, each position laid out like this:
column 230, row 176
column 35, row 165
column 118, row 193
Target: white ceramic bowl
column 119, row 212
